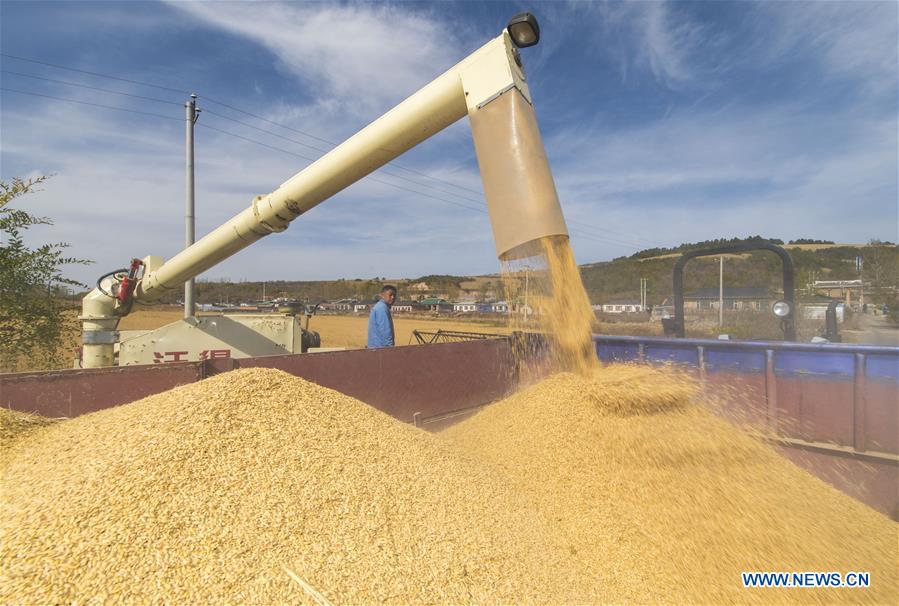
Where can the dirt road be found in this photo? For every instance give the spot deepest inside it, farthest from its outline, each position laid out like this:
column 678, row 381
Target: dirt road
column 873, row 330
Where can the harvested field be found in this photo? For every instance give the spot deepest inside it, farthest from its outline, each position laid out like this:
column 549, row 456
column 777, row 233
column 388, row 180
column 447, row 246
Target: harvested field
column 665, row 503
column 336, row 331
column 206, row 493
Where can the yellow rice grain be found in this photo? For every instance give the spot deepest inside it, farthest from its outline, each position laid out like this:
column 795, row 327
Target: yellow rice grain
column 207, row 493
column 665, row 503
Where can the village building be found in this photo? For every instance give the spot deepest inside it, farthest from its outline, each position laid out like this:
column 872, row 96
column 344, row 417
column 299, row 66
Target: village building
column 465, row 306
column 500, row 307
column 345, row 305
column 620, row 306
column 437, row 305
column 407, row 307
column 739, row 298
column 848, row 290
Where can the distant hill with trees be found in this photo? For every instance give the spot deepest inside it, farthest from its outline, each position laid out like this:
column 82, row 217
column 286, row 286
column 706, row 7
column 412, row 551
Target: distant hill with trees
column 620, row 278
column 657, row 252
column 616, row 279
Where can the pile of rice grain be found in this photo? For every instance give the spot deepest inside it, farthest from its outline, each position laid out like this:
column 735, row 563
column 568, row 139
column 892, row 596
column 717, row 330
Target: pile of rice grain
column 207, row 493
column 665, row 503
column 15, row 425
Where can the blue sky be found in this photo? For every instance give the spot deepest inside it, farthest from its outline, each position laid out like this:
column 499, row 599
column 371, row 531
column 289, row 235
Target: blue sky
column 663, row 123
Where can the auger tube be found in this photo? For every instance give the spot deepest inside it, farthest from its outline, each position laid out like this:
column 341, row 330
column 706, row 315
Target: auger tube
column 528, row 211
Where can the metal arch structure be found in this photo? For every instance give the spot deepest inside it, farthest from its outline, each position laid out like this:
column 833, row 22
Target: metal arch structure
column 788, row 322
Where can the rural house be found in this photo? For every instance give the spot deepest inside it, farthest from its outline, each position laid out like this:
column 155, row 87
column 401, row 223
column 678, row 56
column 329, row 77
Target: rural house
column 438, row 305
column 345, row 304
column 465, row 306
column 407, row 306
column 754, row 298
column 621, row 307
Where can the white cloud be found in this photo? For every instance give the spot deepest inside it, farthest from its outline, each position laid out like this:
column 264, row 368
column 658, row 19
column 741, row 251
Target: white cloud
column 364, row 55
column 780, row 172
column 656, row 37
column 857, row 40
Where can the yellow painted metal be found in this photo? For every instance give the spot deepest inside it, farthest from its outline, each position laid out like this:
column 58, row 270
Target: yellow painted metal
column 521, row 195
column 207, row 337
column 98, row 324
column 485, row 73
column 490, row 71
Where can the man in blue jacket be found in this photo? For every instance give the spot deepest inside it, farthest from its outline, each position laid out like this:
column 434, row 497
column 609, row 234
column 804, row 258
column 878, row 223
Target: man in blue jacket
column 380, row 322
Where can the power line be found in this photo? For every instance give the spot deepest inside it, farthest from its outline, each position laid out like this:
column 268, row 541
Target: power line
column 274, row 134
column 580, row 233
column 369, row 177
column 120, row 109
column 263, row 144
column 635, row 240
column 311, row 136
column 258, row 117
column 272, row 147
column 382, row 170
column 587, row 225
column 84, row 71
column 214, row 114
column 104, row 90
column 223, row 104
column 595, row 238
column 257, row 142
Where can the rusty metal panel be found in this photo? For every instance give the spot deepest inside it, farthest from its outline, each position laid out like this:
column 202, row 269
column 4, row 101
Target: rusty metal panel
column 816, row 408
column 875, row 483
column 69, row 393
column 882, row 403
column 428, row 379
column 881, row 416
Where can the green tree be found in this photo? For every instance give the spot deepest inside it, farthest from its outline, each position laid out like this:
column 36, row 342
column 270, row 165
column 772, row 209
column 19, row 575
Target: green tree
column 33, row 318
column 881, row 272
column 881, row 266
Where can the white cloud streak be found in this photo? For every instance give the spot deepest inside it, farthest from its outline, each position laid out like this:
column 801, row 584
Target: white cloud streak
column 658, row 39
column 362, row 55
column 857, row 40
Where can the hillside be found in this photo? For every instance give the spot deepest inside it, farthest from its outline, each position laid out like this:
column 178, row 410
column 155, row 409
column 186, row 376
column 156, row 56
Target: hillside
column 620, row 279
column 616, row 279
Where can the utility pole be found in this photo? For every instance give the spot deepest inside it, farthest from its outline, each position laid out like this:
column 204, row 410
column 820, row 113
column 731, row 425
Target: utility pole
column 191, row 113
column 721, row 291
